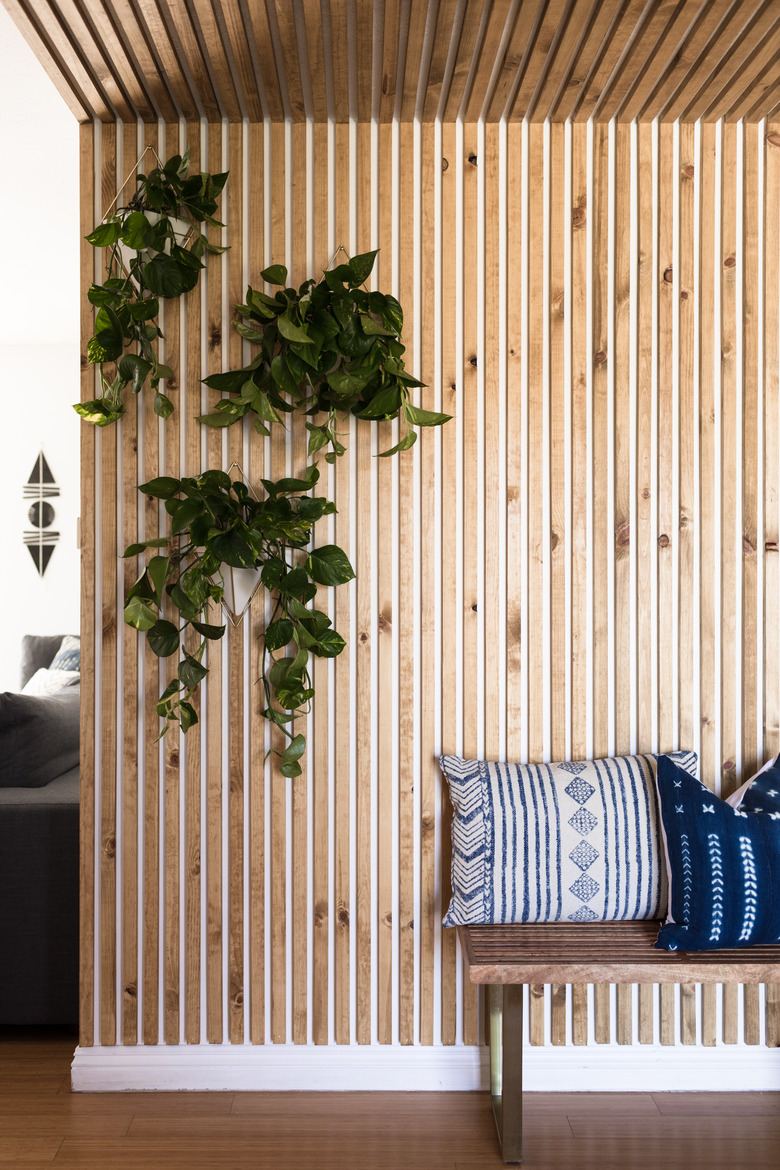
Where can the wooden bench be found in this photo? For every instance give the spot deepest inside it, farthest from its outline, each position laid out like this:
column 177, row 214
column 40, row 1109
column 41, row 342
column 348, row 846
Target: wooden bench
column 506, row 957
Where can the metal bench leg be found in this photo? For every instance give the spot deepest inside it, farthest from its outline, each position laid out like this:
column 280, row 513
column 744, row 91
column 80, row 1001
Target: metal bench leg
column 506, row 1067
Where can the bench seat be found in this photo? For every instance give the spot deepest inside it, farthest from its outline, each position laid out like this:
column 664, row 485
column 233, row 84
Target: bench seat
column 508, row 956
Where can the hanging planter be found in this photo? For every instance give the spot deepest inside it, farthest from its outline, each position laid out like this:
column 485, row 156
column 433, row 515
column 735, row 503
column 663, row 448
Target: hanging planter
column 155, row 251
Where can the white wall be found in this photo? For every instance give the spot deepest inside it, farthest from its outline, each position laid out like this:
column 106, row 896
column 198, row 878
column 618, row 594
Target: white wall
column 39, row 343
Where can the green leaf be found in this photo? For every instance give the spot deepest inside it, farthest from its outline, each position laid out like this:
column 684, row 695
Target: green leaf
column 361, row 266
column 424, row 418
column 185, row 512
column 278, row 634
column 409, row 439
column 294, row 750
column 272, row 571
column 165, row 277
column 188, row 716
column 98, row 411
column 290, row 771
column 207, row 631
column 158, row 574
column 162, row 488
column 329, row 644
column 133, row 550
column 318, row 438
column 393, row 315
column 140, row 614
column 137, row 232
column 135, row 370
column 384, row 405
column 247, row 332
column 162, row 405
column 373, row 328
column 109, row 339
column 233, row 550
column 292, row 332
column 329, row 565
column 276, row 274
column 196, row 586
column 163, row 638
column 105, row 234
column 191, row 672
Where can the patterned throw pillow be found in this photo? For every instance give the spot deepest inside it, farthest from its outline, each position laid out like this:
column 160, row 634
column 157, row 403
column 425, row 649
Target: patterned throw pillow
column 724, row 867
column 48, row 682
column 761, row 793
column 575, row 842
column 68, row 657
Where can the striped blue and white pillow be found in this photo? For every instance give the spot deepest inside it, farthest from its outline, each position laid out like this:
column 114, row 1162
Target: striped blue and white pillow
column 571, row 842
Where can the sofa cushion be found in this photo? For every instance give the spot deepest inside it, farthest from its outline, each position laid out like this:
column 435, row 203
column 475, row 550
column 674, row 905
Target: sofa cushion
column 724, row 867
column 47, row 681
column 39, row 737
column 68, row 657
column 37, row 650
column 761, row 793
column 575, row 841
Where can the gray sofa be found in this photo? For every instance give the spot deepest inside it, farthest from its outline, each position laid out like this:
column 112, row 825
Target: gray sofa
column 39, row 850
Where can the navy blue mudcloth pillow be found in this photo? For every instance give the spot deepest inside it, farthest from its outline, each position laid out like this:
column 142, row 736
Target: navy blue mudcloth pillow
column 762, row 792
column 723, row 868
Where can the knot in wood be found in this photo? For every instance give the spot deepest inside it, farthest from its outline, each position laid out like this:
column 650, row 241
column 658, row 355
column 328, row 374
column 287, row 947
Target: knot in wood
column 131, row 990
column 773, row 139
column 387, row 919
column 318, row 918
column 771, row 546
column 453, row 386
column 575, row 81
column 623, row 535
column 428, row 821
column 444, row 164
column 728, row 765
column 364, row 637
column 646, row 493
column 215, row 336
column 705, row 719
column 195, row 867
column 578, row 217
column 411, row 924
column 473, row 361
column 730, row 262
column 474, row 608
column 343, row 916
column 663, row 540
column 238, row 999
column 599, row 358
column 683, row 295
column 173, row 758
column 669, row 275
column 84, row 362
column 689, row 171
column 472, row 159
column 747, row 545
column 109, row 846
column 554, row 541
column 383, row 622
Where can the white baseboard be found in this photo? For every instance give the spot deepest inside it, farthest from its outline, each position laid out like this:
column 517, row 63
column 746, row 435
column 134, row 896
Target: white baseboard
column 289, row 1067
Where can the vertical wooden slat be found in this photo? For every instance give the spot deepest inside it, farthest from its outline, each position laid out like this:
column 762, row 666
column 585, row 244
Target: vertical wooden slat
column 277, row 846
column 257, row 725
column 538, row 538
column 683, row 305
column 600, row 522
column 580, row 350
column 644, row 502
column 108, row 612
column 471, row 442
column 709, row 752
column 406, row 607
column 771, row 535
column 428, row 647
column 385, row 620
column 320, row 891
column 730, row 557
column 451, row 398
column 364, row 650
column 664, row 277
column 300, row 926
column 192, row 810
column 216, row 654
column 621, row 536
column 172, row 744
column 235, row 893
column 150, row 731
column 750, row 440
column 89, row 648
column 342, row 908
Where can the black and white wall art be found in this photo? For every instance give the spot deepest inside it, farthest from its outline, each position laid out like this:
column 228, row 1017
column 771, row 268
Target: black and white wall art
column 40, row 538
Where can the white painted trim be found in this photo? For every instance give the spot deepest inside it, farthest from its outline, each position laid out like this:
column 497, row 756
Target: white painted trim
column 314, row 1068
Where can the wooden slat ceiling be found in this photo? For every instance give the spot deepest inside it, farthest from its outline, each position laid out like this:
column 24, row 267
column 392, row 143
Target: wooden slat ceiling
column 385, row 59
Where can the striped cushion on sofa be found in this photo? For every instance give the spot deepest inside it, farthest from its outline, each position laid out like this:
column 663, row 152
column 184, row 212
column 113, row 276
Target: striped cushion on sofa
column 576, row 841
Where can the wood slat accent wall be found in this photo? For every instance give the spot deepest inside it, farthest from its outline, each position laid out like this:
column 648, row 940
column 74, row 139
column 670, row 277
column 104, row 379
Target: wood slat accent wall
column 583, row 561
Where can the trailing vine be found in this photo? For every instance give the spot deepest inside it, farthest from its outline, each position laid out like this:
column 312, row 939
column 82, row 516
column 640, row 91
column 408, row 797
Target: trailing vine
column 155, row 251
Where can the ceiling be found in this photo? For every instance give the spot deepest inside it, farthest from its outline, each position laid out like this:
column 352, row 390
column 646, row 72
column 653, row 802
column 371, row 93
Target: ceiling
column 320, row 59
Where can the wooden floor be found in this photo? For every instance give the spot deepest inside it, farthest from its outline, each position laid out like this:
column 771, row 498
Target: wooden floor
column 43, row 1125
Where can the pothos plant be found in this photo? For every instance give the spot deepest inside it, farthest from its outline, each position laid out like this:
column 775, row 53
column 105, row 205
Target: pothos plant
column 328, row 347
column 215, row 522
column 155, row 250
